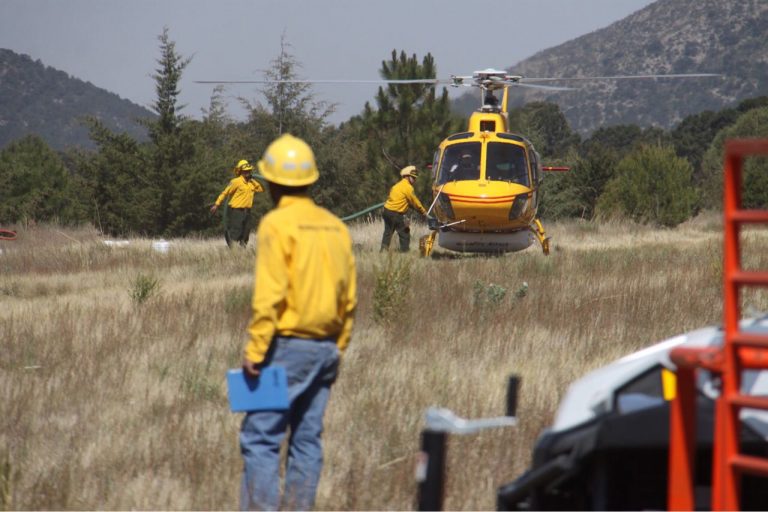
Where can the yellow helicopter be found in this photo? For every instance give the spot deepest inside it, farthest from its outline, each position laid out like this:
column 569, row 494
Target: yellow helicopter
column 486, row 180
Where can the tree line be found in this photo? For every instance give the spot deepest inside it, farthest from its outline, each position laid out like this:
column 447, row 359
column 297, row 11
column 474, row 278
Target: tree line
column 163, row 187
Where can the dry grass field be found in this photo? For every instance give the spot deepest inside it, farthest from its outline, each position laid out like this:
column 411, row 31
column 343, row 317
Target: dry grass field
column 112, row 388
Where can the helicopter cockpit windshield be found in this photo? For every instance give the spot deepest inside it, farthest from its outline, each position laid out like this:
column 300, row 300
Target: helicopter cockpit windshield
column 461, row 162
column 506, row 162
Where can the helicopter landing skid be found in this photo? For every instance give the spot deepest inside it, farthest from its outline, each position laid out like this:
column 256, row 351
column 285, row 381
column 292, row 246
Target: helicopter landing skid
column 538, row 230
column 426, row 243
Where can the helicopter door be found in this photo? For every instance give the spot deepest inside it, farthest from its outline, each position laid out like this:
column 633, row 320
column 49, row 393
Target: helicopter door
column 461, row 162
column 507, row 162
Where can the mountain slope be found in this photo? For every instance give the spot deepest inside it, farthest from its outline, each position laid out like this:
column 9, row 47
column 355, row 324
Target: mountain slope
column 38, row 99
column 668, row 36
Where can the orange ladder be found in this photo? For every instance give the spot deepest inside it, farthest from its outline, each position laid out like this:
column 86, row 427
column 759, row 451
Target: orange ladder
column 740, row 351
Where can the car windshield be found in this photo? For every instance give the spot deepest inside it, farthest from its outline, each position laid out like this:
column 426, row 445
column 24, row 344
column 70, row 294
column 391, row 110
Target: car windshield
column 506, row 162
column 461, row 162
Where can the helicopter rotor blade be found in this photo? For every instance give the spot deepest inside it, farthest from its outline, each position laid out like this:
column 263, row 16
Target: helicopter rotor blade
column 429, row 81
column 490, row 79
column 620, row 77
column 539, row 86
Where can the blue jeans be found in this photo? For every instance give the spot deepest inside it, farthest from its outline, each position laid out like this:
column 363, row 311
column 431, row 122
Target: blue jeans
column 311, row 367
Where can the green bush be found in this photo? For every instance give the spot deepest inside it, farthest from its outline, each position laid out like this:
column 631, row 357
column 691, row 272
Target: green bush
column 143, row 288
column 652, row 185
column 391, row 288
column 752, row 124
column 36, row 185
column 488, row 295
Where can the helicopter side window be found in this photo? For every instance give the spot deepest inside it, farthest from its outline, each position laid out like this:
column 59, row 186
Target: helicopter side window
column 507, row 162
column 461, row 162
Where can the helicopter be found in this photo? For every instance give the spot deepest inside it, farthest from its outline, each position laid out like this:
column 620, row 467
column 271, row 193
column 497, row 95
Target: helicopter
column 485, row 180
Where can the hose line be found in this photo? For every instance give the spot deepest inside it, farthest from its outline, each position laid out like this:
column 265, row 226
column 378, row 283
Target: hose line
column 362, row 212
column 345, row 219
column 6, row 234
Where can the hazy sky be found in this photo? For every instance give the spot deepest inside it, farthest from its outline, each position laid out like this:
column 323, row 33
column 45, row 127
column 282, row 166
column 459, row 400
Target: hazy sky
column 113, row 43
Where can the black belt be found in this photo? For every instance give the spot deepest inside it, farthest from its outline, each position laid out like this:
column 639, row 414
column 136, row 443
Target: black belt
column 318, row 340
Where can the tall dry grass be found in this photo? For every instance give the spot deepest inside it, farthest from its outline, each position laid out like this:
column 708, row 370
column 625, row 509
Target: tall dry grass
column 112, row 389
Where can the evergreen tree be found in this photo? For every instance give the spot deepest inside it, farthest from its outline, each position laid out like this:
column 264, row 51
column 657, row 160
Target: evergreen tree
column 117, row 179
column 167, row 77
column 626, row 138
column 694, row 134
column 753, row 123
column 545, row 125
column 341, row 159
column 173, row 148
column 216, row 114
column 652, row 185
column 576, row 192
column 291, row 107
column 35, row 184
column 162, row 187
column 408, row 124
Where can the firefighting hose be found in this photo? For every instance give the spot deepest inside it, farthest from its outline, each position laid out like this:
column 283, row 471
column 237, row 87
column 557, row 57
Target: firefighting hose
column 6, row 234
column 361, row 212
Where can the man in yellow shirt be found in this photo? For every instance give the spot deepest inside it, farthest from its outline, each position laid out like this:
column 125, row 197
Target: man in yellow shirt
column 304, row 299
column 240, row 192
column 401, row 197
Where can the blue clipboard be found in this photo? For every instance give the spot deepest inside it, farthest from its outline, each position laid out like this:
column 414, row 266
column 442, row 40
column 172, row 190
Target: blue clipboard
column 268, row 392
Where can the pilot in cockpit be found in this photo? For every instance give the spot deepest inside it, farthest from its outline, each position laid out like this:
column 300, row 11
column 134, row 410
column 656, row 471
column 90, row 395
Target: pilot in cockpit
column 466, row 168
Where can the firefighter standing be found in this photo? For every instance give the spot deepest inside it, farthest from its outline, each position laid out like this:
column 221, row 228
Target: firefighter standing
column 304, row 298
column 240, row 192
column 401, row 196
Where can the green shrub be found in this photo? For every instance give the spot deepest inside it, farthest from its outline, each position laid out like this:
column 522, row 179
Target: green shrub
column 488, row 295
column 143, row 288
column 391, row 288
column 753, row 124
column 652, row 185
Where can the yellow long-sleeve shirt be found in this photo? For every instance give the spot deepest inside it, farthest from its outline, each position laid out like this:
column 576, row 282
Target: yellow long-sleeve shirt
column 401, row 195
column 305, row 284
column 241, row 192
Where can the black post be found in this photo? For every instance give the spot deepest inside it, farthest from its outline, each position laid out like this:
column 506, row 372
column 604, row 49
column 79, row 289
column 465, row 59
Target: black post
column 432, row 481
column 512, row 388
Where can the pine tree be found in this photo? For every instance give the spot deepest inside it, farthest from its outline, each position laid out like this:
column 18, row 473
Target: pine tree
column 171, row 146
column 652, row 185
column 117, row 180
column 545, row 125
column 753, row 123
column 35, row 185
column 291, row 107
column 408, row 123
column 167, row 77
